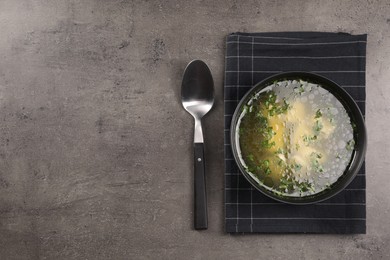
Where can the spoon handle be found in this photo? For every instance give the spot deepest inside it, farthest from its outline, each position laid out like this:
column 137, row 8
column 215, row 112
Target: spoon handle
column 200, row 218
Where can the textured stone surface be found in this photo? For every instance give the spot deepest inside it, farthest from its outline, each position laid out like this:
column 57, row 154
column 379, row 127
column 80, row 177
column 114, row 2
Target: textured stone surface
column 96, row 150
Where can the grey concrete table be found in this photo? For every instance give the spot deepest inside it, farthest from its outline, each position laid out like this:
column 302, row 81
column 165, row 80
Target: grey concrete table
column 96, row 150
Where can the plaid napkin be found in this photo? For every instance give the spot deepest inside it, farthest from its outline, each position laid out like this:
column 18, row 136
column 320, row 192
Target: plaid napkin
column 251, row 58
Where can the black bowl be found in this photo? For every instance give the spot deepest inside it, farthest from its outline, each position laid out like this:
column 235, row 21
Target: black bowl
column 360, row 136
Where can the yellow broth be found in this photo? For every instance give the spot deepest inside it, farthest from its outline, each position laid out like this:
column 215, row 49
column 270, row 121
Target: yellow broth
column 295, row 138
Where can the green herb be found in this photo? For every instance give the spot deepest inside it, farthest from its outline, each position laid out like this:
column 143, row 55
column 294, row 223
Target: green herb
column 330, row 115
column 350, row 145
column 297, row 167
column 353, row 126
column 315, row 163
column 318, row 126
column 283, row 109
column 307, row 139
column 279, row 151
column 262, row 119
column 281, row 163
column 318, row 114
column 250, row 157
column 316, row 155
column 278, row 109
column 299, row 90
column 267, row 144
column 265, row 163
column 251, row 168
column 270, row 99
column 264, row 167
column 305, row 186
column 267, row 132
column 261, row 123
column 274, row 108
column 286, row 184
column 297, row 146
column 272, row 111
column 320, row 168
column 289, row 184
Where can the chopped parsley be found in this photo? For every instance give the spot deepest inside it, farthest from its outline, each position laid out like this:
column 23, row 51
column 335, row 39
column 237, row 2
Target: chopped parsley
column 305, row 187
column 318, row 126
column 270, row 100
column 299, row 90
column 307, row 139
column 268, row 132
column 289, row 184
column 315, row 163
column 281, row 163
column 318, row 113
column 297, row 167
column 267, row 144
column 350, row 145
column 353, row 126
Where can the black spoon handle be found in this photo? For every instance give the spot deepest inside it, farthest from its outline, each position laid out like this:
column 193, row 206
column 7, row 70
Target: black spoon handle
column 200, row 207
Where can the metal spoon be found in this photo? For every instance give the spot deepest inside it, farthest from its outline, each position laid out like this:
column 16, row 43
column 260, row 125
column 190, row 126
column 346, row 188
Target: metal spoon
column 197, row 96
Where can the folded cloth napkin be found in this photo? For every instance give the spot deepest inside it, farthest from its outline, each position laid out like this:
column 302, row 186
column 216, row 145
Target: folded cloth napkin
column 252, row 57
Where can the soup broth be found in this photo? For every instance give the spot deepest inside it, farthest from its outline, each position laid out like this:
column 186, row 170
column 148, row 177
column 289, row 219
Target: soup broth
column 295, row 138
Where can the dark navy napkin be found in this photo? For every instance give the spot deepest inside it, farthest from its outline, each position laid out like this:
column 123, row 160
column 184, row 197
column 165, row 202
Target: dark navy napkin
column 252, row 57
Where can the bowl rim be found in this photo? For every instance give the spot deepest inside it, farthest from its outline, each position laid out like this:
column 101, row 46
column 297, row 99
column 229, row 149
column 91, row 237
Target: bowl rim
column 360, row 136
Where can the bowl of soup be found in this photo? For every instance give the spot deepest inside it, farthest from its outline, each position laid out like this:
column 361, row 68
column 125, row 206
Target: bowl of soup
column 298, row 137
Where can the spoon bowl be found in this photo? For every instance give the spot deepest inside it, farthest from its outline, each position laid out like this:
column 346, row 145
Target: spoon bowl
column 197, row 89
